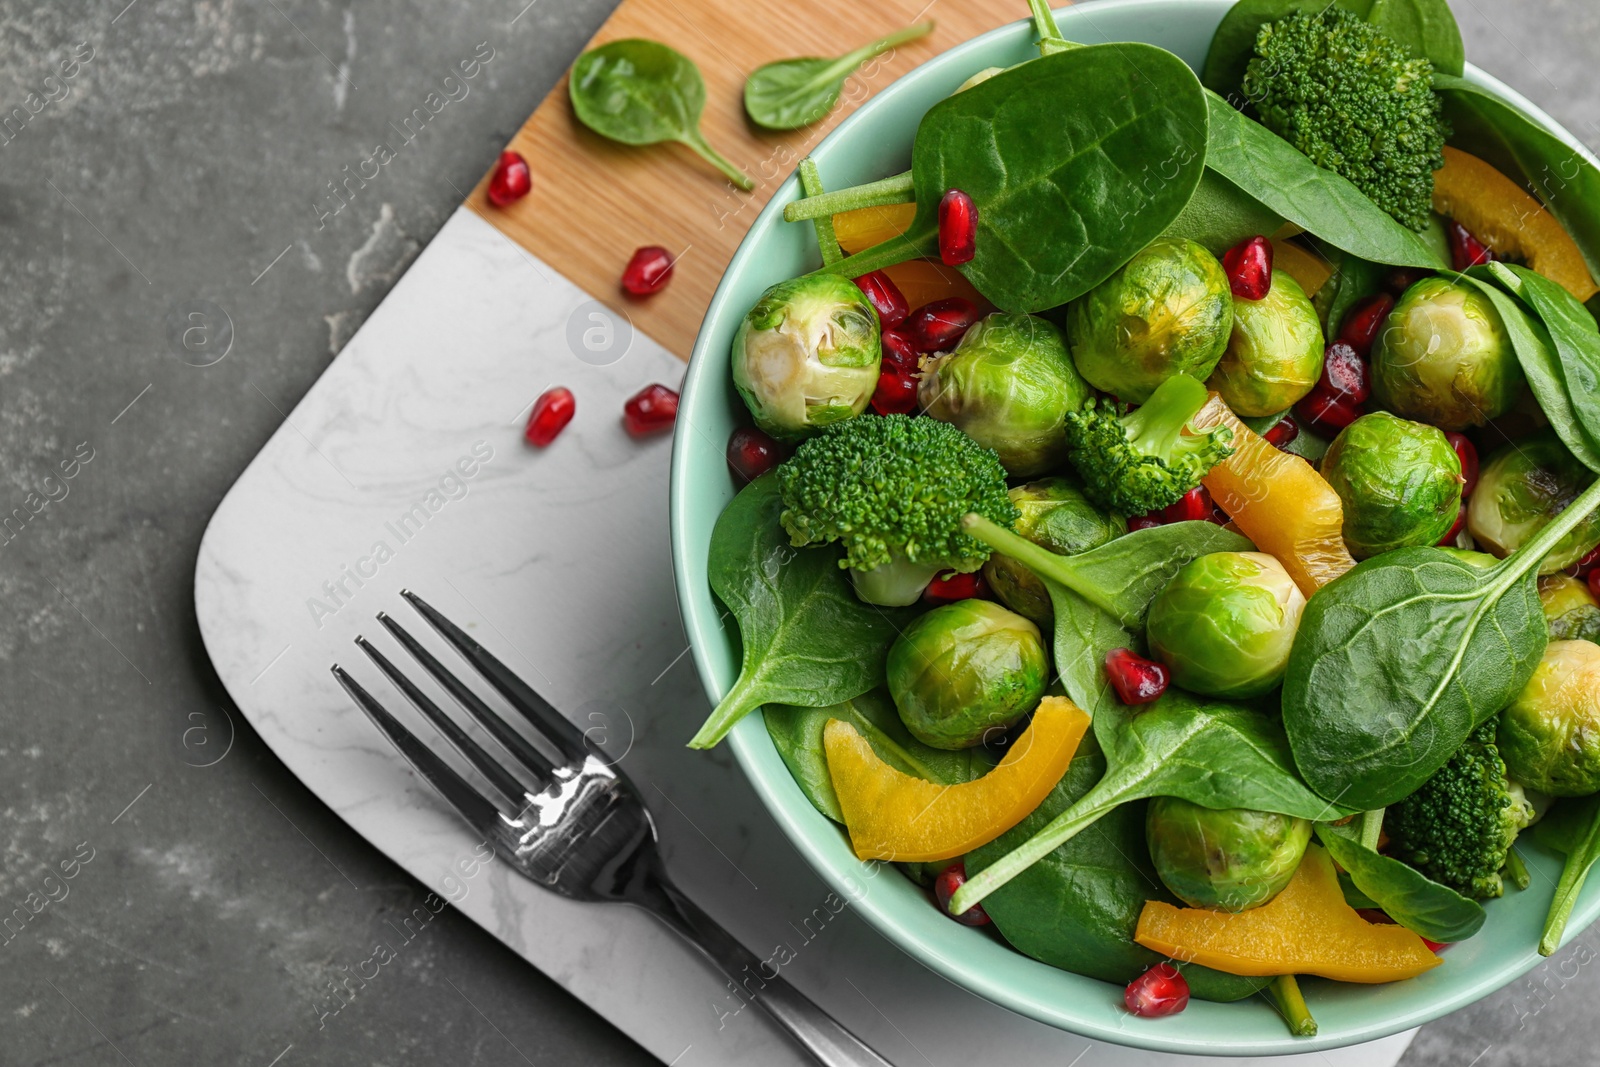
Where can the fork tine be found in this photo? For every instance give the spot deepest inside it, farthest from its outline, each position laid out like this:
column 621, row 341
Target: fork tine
column 478, row 811
column 565, row 736
column 509, row 739
column 511, row 788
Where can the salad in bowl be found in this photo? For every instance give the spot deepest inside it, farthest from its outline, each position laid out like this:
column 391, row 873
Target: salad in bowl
column 1160, row 525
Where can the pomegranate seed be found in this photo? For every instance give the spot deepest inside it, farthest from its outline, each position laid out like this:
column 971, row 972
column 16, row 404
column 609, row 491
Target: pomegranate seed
column 1159, row 991
column 940, row 325
column 551, row 413
column 896, row 394
column 1360, row 327
column 648, row 271
column 1137, row 680
column 651, row 410
column 1326, row 413
column 752, row 453
column 1584, row 566
column 511, row 180
column 949, row 588
column 1344, row 375
column 1465, row 249
column 1195, row 505
column 1434, row 946
column 1469, row 461
column 1146, row 522
column 1594, row 582
column 1283, row 433
column 1249, row 268
column 958, row 228
column 886, row 297
column 1449, row 539
column 899, row 352
column 945, row 885
column 1402, row 278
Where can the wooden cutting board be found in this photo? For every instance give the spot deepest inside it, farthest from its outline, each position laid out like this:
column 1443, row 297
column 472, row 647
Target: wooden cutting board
column 594, row 201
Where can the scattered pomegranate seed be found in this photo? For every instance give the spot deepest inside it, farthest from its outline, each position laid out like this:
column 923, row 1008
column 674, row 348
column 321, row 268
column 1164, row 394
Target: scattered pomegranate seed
column 1249, row 268
column 1137, row 680
column 947, row 589
column 1344, row 375
column 752, row 453
column 1465, row 249
column 1326, row 413
column 1449, row 539
column 1195, row 505
column 551, row 413
column 511, row 180
column 648, row 271
column 958, row 228
column 886, row 297
column 1360, row 327
column 945, row 885
column 896, row 393
column 1159, row 991
column 940, row 325
column 1283, row 433
column 1469, row 461
column 651, row 410
column 1402, row 278
column 1146, row 522
column 900, row 352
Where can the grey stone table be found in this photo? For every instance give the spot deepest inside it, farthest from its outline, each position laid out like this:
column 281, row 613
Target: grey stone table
column 189, row 159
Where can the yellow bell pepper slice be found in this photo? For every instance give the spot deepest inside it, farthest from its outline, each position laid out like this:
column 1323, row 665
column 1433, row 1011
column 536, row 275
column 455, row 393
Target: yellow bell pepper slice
column 894, row 816
column 868, row 226
column 1306, row 929
column 1310, row 270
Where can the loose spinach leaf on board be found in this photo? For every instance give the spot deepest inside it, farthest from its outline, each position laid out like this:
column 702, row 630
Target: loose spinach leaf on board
column 1220, row 215
column 1209, row 752
column 797, row 733
column 792, row 93
column 1077, row 908
column 1410, row 898
column 807, row 639
column 641, row 92
column 1327, row 205
column 1573, row 829
column 1074, row 161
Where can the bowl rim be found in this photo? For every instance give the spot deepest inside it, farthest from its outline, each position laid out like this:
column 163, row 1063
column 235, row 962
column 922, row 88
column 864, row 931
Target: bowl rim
column 750, row 735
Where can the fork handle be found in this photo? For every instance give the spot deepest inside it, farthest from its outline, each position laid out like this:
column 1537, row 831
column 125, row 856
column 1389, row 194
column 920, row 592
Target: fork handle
column 813, row 1029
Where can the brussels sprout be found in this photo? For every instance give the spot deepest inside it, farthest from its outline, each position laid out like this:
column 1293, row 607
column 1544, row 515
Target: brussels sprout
column 1467, row 555
column 1057, row 516
column 1224, row 624
column 1008, row 385
column 1167, row 311
column 1550, row 735
column 1274, row 355
column 807, row 355
column 965, row 669
column 1443, row 357
column 1520, row 489
column 1570, row 610
column 1229, row 859
column 1399, row 482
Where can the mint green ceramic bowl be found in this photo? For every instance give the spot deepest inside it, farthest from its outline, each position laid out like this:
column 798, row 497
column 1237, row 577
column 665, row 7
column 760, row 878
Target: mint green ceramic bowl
column 874, row 142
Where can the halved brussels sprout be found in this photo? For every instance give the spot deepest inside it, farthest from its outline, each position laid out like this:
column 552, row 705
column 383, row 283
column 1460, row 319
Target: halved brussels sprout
column 1055, row 515
column 807, row 355
column 964, row 670
column 1570, row 610
column 1520, row 489
column 1225, row 623
column 1550, row 735
column 1443, row 357
column 1008, row 385
column 1167, row 311
column 1274, row 354
column 1399, row 482
column 1229, row 859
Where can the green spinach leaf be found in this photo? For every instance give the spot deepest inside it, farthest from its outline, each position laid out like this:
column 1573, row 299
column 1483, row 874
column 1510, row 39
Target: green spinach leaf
column 641, row 92
column 1411, row 899
column 793, row 93
column 1220, row 215
column 1078, row 907
column 1573, row 829
column 807, row 639
column 1427, row 29
column 1353, row 280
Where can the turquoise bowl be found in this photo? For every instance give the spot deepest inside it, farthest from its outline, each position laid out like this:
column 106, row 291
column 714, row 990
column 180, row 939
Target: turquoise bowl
column 873, row 142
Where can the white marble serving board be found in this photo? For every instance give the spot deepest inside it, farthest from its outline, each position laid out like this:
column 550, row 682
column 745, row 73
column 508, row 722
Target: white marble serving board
column 404, row 468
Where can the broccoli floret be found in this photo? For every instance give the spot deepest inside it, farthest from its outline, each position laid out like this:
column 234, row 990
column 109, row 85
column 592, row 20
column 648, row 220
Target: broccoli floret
column 1147, row 458
column 1458, row 828
column 893, row 489
column 1355, row 102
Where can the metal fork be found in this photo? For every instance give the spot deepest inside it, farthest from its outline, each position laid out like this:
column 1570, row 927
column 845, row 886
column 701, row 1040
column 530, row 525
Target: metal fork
column 583, row 832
